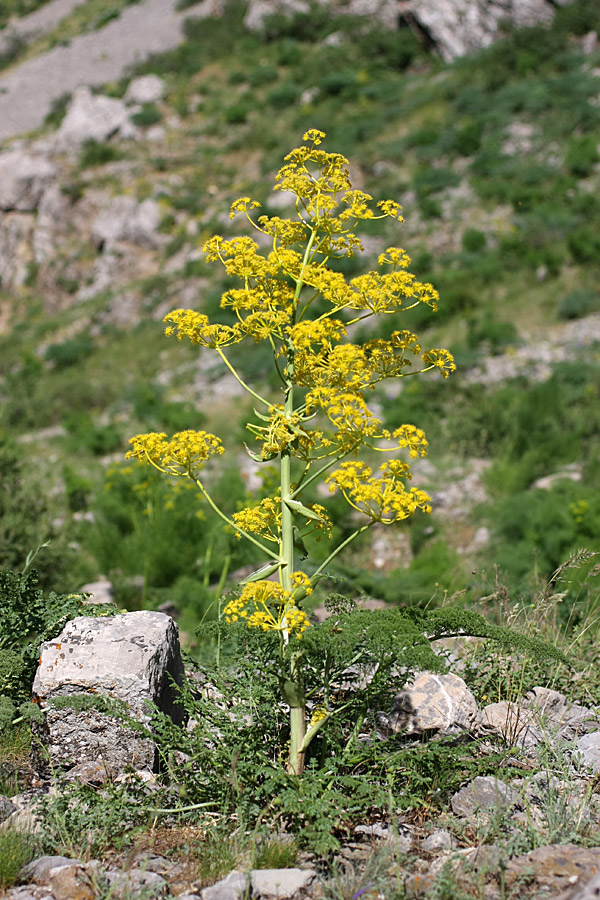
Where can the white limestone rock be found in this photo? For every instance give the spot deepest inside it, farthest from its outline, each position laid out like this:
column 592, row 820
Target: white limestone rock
column 124, row 219
column 23, row 179
column 133, row 657
column 146, row 89
column 442, row 704
column 91, row 117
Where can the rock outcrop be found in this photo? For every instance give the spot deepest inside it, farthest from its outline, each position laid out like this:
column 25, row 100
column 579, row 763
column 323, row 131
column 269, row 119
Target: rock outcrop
column 133, row 657
column 458, row 27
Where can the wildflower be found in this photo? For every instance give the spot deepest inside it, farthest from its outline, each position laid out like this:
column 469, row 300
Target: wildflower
column 267, row 605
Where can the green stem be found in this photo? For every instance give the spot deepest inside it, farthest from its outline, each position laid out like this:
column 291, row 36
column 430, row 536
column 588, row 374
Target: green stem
column 229, row 521
column 340, row 547
column 239, row 380
column 298, row 707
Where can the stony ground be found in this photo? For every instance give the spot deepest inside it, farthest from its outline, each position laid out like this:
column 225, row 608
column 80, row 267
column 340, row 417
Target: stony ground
column 27, row 90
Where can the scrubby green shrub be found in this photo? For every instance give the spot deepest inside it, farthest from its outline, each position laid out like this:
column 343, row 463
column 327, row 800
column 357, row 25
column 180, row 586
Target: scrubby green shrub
column 582, row 155
column 70, row 352
column 473, row 240
column 97, row 153
column 584, row 244
column 148, row 115
column 578, row 303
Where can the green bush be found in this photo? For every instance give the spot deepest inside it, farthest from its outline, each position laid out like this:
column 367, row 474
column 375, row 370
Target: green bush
column 582, row 155
column 148, row 115
column 473, row 240
column 284, row 95
column 17, row 848
column 494, row 334
column 578, row 303
column 96, row 153
column 584, row 244
column 70, row 352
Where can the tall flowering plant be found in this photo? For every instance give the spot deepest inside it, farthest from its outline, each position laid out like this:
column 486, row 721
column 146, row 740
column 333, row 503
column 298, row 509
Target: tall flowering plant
column 293, row 298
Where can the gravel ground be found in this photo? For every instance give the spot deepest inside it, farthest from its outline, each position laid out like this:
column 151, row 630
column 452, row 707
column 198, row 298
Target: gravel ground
column 27, row 90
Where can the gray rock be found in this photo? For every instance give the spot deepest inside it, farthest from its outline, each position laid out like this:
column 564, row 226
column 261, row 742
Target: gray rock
column 458, row 27
column 6, row 808
column 558, row 717
column 38, row 870
column 124, row 219
column 147, row 89
column 234, row 887
column 131, row 657
column 91, row 117
column 484, row 793
column 514, row 724
column 589, row 745
column 554, row 867
column 438, row 840
column 135, row 881
column 543, row 715
column 23, row 180
column 16, row 231
column 100, row 591
column 280, row 883
column 438, row 703
column 588, row 891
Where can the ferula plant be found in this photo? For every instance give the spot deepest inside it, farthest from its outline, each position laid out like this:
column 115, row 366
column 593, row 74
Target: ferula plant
column 315, row 427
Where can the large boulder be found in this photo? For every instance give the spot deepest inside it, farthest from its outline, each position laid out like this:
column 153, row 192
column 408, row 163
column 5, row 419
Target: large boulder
column 23, row 179
column 91, row 117
column 459, row 27
column 133, row 657
column 434, row 704
column 124, row 219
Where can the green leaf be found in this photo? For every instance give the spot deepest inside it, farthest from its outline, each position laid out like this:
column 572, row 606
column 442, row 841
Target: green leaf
column 263, row 572
column 298, row 507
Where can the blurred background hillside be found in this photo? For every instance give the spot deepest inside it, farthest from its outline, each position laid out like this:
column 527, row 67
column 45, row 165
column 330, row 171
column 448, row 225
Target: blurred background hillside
column 494, row 156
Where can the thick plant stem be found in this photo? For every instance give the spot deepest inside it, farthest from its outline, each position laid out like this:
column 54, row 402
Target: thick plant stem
column 295, row 693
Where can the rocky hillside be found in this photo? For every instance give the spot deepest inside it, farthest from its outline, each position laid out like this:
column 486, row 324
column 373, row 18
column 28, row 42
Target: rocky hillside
column 495, row 160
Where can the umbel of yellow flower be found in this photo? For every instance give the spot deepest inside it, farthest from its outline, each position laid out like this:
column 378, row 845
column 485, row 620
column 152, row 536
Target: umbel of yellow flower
column 269, row 606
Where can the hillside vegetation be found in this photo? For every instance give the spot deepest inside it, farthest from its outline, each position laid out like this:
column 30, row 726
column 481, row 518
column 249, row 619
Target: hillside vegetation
column 495, row 161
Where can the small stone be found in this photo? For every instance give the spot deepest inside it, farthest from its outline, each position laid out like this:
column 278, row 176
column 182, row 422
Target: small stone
column 374, row 830
column 234, row 887
column 38, row 870
column 589, row 745
column 438, row 840
column 484, row 793
column 125, row 884
column 554, row 866
column 6, row 808
column 71, row 883
column 280, row 883
column 146, row 89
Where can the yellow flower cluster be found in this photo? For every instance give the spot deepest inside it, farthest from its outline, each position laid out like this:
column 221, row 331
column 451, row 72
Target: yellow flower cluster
column 281, row 430
column 182, row 455
column 440, row 359
column 267, row 605
column 349, row 414
column 318, row 715
column 196, row 327
column 383, row 498
column 264, row 519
